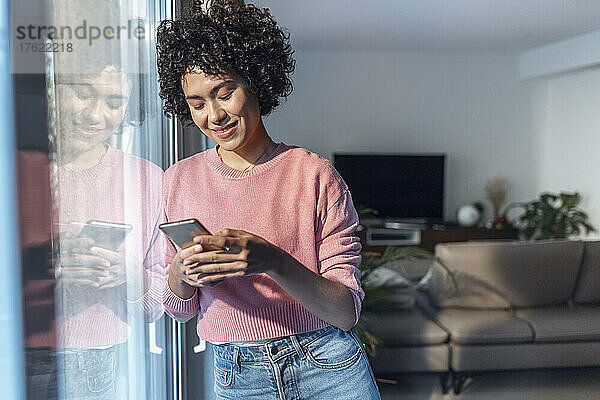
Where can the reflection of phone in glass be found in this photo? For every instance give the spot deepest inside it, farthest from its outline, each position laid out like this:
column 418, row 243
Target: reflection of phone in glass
column 182, row 233
column 108, row 235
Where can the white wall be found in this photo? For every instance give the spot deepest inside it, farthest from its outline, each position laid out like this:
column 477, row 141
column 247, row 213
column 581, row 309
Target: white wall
column 570, row 138
column 470, row 106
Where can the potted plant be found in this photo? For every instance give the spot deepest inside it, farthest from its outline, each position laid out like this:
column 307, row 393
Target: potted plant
column 377, row 298
column 553, row 216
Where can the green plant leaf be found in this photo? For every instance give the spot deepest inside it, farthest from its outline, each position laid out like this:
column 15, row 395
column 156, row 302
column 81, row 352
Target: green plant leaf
column 553, row 216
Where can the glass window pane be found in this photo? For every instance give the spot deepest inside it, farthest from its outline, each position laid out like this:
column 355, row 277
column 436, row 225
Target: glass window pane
column 90, row 182
column 11, row 361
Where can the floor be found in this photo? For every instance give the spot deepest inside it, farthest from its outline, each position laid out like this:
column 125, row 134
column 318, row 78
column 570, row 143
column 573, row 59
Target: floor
column 559, row 384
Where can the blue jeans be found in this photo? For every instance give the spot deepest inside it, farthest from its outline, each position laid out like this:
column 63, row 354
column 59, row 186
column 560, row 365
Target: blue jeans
column 74, row 373
column 91, row 373
column 327, row 364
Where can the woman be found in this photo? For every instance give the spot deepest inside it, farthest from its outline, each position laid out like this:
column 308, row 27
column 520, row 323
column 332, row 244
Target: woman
column 281, row 298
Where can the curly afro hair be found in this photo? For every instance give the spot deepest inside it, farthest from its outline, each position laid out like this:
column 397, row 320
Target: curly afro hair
column 226, row 37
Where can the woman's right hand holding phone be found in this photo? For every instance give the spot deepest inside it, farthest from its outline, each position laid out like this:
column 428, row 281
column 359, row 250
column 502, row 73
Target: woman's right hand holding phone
column 182, row 284
column 77, row 264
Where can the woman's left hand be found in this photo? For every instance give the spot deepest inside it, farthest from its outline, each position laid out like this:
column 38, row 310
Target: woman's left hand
column 244, row 254
column 123, row 269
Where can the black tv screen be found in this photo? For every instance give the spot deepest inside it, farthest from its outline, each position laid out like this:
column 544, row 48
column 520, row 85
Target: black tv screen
column 399, row 186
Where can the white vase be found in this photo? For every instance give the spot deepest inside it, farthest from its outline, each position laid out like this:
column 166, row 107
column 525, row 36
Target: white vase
column 468, row 215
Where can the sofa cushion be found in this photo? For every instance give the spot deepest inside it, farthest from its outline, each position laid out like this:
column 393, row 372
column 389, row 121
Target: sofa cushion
column 563, row 323
column 526, row 274
column 404, row 328
column 483, row 326
column 588, row 284
column 463, row 290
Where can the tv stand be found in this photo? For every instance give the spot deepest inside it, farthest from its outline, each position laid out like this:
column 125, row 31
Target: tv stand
column 376, row 237
column 417, row 221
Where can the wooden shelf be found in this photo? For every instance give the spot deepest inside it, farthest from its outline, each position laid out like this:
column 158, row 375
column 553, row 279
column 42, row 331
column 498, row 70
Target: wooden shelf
column 435, row 234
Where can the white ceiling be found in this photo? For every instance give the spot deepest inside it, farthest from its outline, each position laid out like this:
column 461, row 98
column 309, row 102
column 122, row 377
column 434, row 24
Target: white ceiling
column 434, row 25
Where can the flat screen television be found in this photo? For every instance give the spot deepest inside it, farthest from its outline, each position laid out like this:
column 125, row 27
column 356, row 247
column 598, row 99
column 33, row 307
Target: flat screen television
column 399, row 186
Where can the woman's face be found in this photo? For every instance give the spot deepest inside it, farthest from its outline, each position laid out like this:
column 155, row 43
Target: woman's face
column 222, row 107
column 91, row 108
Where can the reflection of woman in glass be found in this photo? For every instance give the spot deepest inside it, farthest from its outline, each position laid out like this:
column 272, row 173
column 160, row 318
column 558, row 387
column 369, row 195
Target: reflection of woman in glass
column 279, row 302
column 99, row 288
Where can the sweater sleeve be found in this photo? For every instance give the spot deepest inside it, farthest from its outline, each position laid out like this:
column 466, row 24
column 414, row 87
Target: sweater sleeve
column 150, row 304
column 338, row 248
column 181, row 309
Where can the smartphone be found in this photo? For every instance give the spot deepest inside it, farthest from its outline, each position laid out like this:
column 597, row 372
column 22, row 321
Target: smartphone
column 182, row 233
column 108, row 235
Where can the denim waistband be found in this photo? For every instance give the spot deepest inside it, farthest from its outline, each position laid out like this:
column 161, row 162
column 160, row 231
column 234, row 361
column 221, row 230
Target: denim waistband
column 272, row 349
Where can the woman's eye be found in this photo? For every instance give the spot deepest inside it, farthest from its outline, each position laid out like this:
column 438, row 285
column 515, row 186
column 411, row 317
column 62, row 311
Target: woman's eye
column 115, row 106
column 226, row 96
column 81, row 95
column 198, row 107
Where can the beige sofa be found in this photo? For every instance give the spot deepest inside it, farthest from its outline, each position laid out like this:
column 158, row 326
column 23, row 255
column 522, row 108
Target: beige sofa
column 520, row 305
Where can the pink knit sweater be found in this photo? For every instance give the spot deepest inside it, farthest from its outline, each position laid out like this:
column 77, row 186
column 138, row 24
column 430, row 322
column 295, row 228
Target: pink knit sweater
column 295, row 200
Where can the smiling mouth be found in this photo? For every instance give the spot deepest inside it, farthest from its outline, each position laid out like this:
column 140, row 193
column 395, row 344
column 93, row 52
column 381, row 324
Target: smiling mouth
column 226, row 131
column 90, row 132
